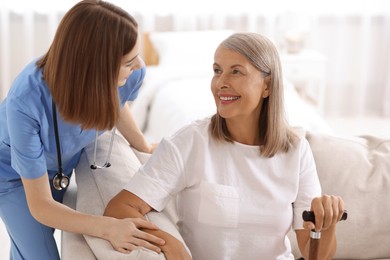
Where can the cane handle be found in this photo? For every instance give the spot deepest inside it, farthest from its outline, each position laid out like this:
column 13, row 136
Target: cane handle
column 309, row 216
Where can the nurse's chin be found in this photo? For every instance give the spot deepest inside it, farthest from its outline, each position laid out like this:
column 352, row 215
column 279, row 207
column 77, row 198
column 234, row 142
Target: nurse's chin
column 121, row 83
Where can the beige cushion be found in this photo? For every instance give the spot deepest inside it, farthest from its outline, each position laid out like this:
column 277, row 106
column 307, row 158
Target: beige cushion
column 97, row 187
column 73, row 246
column 357, row 169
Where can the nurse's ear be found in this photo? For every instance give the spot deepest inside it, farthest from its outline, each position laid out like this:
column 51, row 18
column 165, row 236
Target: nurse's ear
column 266, row 82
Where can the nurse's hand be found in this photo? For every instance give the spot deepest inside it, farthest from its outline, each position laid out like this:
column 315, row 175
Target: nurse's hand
column 125, row 235
column 152, row 147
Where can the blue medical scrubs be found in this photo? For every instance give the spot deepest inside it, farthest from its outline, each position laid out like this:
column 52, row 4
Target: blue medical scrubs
column 28, row 149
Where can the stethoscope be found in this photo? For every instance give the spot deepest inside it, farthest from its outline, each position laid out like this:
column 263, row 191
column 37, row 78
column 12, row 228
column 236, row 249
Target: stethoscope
column 60, row 180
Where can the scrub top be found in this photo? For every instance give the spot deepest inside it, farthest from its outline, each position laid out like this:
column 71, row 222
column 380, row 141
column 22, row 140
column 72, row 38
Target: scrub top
column 27, row 139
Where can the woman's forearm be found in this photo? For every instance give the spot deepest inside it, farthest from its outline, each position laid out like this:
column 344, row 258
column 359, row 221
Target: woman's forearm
column 327, row 244
column 127, row 205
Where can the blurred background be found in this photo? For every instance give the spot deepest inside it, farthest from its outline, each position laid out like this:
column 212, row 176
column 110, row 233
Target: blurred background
column 342, row 47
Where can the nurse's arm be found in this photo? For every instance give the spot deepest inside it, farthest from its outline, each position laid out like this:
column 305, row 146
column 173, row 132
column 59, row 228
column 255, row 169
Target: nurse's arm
column 124, row 235
column 126, row 204
column 130, row 130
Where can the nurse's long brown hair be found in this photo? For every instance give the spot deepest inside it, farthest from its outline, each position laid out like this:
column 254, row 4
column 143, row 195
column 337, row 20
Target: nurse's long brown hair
column 275, row 133
column 82, row 65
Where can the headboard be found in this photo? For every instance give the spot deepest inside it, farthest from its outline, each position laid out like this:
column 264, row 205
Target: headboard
column 175, row 48
column 150, row 54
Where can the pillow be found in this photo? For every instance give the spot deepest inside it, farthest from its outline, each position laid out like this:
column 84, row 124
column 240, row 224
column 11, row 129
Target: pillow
column 357, row 169
column 176, row 105
column 187, row 48
column 95, row 188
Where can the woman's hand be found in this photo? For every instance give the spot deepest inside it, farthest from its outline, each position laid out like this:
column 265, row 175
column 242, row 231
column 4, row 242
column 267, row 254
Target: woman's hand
column 328, row 210
column 174, row 249
column 125, row 235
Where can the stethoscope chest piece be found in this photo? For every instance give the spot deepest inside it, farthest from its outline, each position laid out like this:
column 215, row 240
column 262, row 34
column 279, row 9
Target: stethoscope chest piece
column 60, row 181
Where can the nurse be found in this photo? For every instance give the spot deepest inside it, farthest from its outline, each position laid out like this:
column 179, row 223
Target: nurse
column 79, row 88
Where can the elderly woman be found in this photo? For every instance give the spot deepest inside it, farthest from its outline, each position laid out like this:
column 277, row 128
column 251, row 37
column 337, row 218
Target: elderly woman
column 242, row 178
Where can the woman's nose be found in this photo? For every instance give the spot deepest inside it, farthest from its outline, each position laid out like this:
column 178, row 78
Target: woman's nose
column 222, row 82
column 140, row 63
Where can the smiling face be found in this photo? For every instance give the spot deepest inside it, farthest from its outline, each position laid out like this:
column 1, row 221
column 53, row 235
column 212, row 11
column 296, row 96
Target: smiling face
column 130, row 62
column 238, row 87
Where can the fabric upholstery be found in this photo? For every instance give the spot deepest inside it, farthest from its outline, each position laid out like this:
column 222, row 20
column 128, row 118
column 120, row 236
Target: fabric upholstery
column 95, row 188
column 355, row 168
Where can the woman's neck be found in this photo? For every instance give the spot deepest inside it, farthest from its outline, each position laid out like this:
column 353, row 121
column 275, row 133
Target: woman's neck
column 245, row 131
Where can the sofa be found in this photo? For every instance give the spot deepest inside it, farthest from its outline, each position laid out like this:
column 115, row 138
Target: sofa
column 356, row 168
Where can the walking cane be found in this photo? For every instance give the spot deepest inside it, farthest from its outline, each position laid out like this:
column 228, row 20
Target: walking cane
column 314, row 235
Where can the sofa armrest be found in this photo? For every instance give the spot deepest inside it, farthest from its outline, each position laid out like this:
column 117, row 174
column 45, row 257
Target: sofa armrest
column 95, row 188
column 357, row 168
column 74, row 246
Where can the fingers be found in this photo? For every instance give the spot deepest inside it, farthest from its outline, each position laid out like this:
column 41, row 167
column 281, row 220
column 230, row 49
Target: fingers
column 122, row 250
column 136, row 242
column 336, row 213
column 126, row 249
column 328, row 210
column 128, row 235
column 327, row 219
column 319, row 213
column 141, row 223
column 144, row 236
column 341, row 208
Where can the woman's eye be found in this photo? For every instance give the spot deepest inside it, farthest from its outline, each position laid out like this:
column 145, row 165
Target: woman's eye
column 217, row 71
column 236, row 72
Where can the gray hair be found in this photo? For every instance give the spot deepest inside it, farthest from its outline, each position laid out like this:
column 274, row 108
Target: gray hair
column 275, row 132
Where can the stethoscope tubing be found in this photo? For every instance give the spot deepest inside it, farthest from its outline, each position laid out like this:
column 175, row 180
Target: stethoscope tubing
column 61, row 181
column 107, row 164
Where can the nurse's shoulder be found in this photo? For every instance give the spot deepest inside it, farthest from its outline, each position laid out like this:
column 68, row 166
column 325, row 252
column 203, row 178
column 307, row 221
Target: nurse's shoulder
column 28, row 82
column 29, row 92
